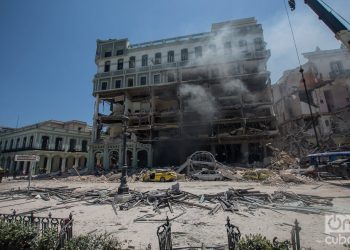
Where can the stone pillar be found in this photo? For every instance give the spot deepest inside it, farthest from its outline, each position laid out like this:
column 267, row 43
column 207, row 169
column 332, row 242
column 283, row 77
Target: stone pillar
column 63, row 165
column 149, row 157
column 134, row 156
column 76, row 161
column 244, row 152
column 105, row 159
column 48, row 166
column 94, row 125
column 120, row 157
column 90, row 159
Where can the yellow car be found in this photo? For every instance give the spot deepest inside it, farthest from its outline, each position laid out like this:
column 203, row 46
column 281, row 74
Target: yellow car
column 161, row 175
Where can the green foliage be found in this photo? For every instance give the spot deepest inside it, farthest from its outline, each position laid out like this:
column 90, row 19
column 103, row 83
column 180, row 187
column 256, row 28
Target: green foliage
column 258, row 242
column 16, row 236
column 98, row 242
column 48, row 240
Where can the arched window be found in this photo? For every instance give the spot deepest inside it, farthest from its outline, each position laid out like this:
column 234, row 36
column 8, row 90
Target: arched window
column 31, row 142
column 132, row 62
column 24, row 143
column 107, row 66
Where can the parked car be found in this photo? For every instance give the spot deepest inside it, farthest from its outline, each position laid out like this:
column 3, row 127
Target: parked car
column 208, row 175
column 161, row 175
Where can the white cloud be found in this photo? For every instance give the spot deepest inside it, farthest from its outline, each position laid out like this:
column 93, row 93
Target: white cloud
column 309, row 32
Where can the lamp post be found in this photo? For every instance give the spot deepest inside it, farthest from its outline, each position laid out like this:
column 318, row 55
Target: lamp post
column 123, row 187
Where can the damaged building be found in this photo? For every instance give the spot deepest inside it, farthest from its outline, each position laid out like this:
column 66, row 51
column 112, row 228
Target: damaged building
column 327, row 76
column 208, row 91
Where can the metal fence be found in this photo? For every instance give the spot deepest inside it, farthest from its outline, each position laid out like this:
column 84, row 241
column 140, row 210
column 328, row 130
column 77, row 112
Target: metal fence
column 164, row 236
column 233, row 234
column 63, row 226
column 295, row 237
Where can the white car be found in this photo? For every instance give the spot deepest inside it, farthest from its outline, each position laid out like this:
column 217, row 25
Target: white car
column 208, row 175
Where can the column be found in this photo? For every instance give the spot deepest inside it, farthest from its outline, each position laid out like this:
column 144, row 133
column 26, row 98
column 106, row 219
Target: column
column 48, row 166
column 244, row 152
column 76, row 161
column 63, row 165
column 90, row 159
column 94, row 125
column 105, row 159
column 134, row 156
column 149, row 157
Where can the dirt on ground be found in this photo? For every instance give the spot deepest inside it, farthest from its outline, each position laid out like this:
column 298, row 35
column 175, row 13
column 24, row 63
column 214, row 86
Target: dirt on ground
column 195, row 226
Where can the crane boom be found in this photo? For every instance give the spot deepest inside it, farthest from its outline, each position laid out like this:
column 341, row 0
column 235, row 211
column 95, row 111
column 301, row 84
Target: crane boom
column 339, row 29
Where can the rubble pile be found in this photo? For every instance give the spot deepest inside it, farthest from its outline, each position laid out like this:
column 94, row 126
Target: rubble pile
column 238, row 201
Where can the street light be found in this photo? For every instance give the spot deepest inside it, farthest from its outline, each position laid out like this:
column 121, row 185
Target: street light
column 123, row 187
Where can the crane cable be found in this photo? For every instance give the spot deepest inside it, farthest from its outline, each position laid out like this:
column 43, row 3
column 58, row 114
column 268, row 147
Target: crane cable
column 333, row 10
column 301, row 70
column 291, row 29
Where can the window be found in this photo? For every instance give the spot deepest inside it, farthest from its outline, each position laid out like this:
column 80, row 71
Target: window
column 108, row 53
column 17, row 143
column 212, row 48
column 259, row 44
column 24, row 142
column 58, row 143
column 11, row 144
column 120, row 52
column 132, row 62
column 0, row 145
column 184, row 54
column 198, row 51
column 327, row 123
column 5, row 146
column 130, row 82
column 107, row 66
column 45, row 142
column 171, row 77
column 158, row 58
column 321, row 101
column 156, row 78
column 84, row 146
column 242, row 44
column 144, row 60
column 104, row 86
column 143, row 80
column 118, row 84
column 227, row 47
column 170, row 56
column 72, row 144
column 120, row 64
column 31, row 139
column 337, row 67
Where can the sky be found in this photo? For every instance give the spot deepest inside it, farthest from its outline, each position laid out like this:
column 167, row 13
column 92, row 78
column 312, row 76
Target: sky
column 47, row 47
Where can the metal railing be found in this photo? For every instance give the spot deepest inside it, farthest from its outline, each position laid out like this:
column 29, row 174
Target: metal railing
column 63, row 226
column 164, row 236
column 233, row 235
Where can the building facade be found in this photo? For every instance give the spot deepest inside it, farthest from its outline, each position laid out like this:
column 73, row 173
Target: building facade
column 207, row 91
column 60, row 145
column 327, row 75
